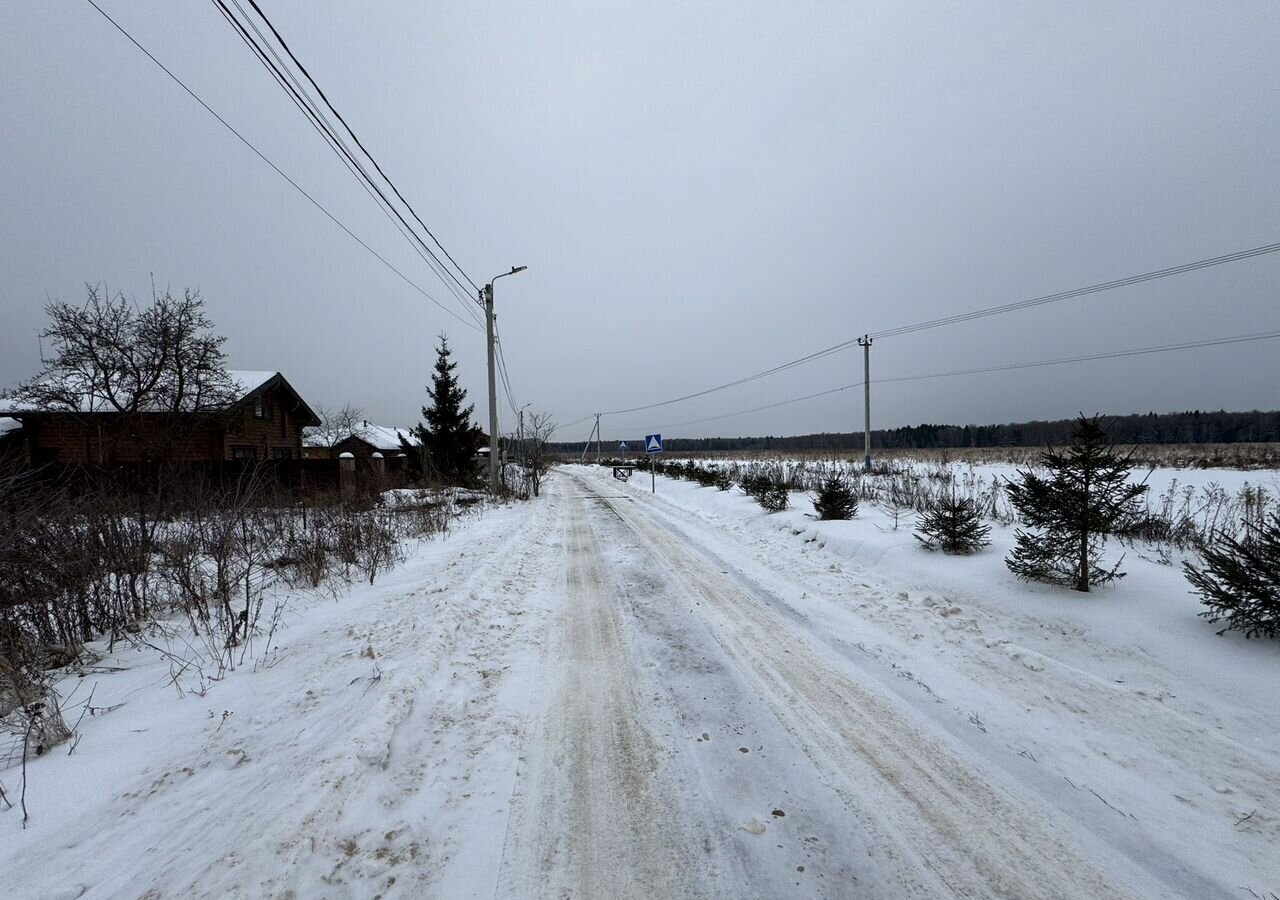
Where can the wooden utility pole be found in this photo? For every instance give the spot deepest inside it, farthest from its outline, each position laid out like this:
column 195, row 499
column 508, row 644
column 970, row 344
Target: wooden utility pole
column 865, row 343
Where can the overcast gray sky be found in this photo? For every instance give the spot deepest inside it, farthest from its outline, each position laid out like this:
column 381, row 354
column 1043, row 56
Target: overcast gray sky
column 699, row 191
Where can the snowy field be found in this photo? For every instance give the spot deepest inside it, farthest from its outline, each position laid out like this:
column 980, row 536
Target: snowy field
column 612, row 693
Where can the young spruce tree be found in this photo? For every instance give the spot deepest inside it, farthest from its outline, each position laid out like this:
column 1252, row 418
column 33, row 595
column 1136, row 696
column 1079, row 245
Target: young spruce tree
column 1085, row 496
column 836, row 499
column 953, row 524
column 1240, row 580
column 445, row 442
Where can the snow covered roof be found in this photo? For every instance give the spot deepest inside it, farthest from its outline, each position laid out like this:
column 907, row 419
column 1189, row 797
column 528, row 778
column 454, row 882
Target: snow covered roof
column 384, row 437
column 8, row 425
column 380, row 437
column 248, row 382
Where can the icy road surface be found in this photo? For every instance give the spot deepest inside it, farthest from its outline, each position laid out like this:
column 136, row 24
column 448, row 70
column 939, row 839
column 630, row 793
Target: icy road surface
column 606, row 694
column 696, row 741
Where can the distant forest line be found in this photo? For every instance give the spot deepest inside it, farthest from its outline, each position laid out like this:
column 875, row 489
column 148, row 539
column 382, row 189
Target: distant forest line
column 1194, row 427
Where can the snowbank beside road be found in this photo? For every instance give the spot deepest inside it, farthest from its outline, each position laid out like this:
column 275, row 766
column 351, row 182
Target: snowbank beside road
column 370, row 752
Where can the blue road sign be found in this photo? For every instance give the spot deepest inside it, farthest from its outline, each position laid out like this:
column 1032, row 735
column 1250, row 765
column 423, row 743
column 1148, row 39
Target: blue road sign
column 622, row 445
column 653, row 443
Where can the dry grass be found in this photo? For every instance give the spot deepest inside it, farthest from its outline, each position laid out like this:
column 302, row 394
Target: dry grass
column 1172, row 456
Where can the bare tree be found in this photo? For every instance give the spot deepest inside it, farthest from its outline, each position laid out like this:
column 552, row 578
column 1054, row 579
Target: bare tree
column 148, row 368
column 537, row 434
column 111, row 356
column 336, row 425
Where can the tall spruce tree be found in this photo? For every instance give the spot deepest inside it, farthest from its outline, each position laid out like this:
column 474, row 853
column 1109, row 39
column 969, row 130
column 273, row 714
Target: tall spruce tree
column 445, row 442
column 1085, row 497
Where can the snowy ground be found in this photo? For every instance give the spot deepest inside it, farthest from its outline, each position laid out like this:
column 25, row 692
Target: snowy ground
column 608, row 693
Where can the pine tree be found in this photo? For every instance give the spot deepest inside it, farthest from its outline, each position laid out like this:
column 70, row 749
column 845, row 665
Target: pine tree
column 836, row 499
column 953, row 524
column 445, row 442
column 1086, row 496
column 1240, row 581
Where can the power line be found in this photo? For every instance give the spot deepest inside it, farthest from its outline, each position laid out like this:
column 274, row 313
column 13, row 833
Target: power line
column 283, row 43
column 501, row 360
column 969, row 316
column 322, row 127
column 1116, row 354
column 1080, row 292
column 743, row 412
column 506, row 379
column 276, row 168
column 302, row 99
column 736, row 383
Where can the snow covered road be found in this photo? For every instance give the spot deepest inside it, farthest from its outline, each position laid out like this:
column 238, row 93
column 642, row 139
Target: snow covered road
column 700, row 743
column 608, row 694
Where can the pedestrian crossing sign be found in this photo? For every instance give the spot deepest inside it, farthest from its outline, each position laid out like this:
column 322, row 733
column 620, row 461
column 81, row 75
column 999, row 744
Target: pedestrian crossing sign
column 653, row 443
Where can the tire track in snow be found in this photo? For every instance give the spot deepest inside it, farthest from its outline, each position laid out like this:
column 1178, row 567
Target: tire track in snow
column 975, row 838
column 591, row 820
column 1187, row 763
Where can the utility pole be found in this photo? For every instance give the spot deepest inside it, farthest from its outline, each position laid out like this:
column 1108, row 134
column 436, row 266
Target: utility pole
column 486, row 296
column 493, row 391
column 865, row 343
column 586, row 448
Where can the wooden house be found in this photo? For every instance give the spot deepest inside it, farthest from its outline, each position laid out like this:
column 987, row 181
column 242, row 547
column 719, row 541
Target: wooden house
column 264, row 422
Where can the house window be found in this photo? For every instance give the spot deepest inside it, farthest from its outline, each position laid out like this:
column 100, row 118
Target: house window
column 282, row 453
column 259, row 411
column 246, row 454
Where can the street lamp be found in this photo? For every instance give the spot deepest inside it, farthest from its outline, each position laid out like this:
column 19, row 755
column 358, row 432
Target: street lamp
column 487, row 296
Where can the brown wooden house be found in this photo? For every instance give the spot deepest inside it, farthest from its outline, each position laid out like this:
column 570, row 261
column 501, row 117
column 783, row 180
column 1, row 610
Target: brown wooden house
column 265, row 422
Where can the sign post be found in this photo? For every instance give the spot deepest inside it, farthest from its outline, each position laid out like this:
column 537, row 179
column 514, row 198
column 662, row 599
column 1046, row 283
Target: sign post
column 652, row 446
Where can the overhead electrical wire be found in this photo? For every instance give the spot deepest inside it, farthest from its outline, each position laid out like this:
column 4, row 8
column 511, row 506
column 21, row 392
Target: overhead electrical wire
column 503, row 371
column 1088, row 357
column 302, row 99
column 306, row 74
column 1079, row 292
column 314, row 202
column 322, row 127
column 966, row 317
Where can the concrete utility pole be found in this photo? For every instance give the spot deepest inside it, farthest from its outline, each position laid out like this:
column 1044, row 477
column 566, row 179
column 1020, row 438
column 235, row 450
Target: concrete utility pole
column 487, row 297
column 586, row 448
column 520, row 432
column 865, row 343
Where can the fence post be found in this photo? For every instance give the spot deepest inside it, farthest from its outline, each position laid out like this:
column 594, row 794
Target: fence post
column 346, row 474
